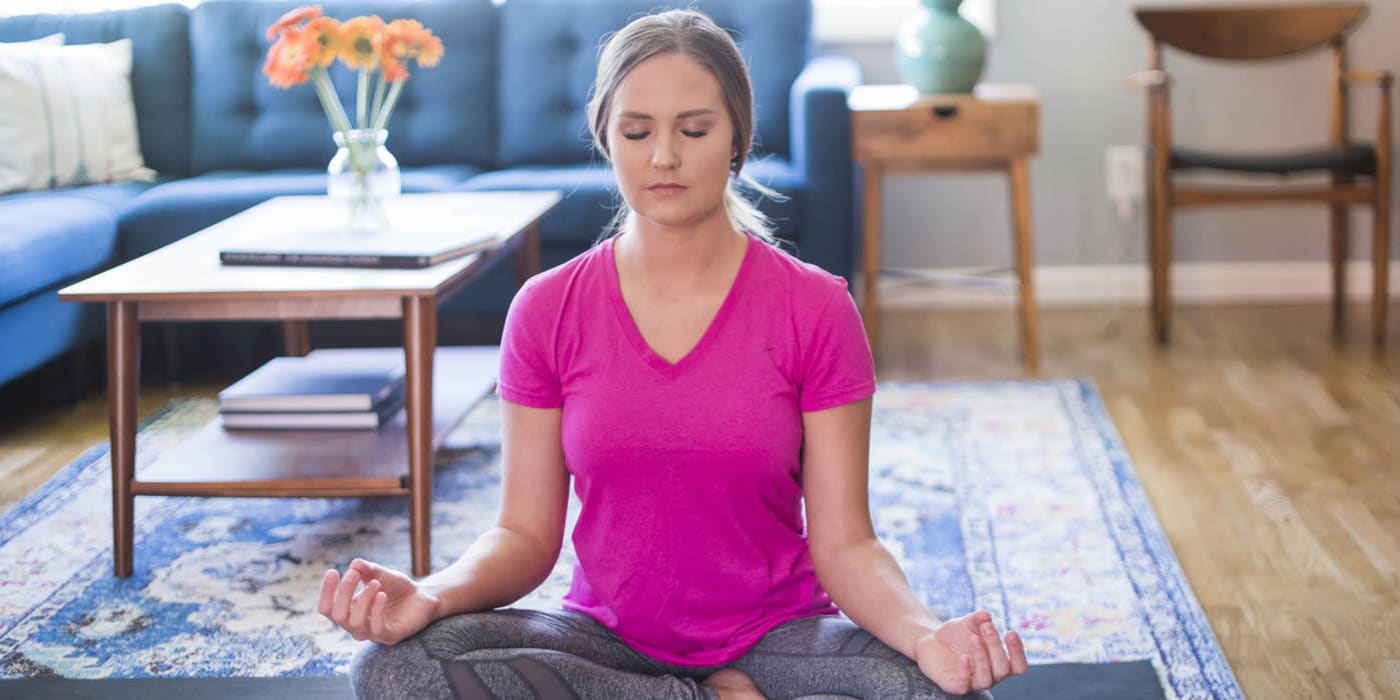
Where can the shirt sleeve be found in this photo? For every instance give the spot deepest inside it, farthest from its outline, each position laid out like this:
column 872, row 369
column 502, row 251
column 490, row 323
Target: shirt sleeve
column 529, row 375
column 837, row 366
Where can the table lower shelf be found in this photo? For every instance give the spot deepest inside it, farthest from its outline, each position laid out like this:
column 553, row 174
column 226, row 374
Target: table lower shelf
column 324, row 463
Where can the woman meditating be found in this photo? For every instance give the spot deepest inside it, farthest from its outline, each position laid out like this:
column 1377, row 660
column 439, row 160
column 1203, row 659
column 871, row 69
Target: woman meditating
column 700, row 386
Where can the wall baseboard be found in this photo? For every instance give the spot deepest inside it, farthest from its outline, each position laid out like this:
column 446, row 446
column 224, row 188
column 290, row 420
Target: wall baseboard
column 1115, row 285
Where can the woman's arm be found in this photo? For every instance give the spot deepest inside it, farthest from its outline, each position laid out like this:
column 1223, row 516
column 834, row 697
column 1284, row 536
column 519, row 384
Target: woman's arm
column 517, row 554
column 863, row 578
column 503, row 564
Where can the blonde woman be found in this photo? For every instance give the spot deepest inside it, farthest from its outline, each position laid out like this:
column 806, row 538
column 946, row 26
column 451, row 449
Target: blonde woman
column 700, row 386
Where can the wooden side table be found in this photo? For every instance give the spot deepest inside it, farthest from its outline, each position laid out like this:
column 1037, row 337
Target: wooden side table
column 894, row 130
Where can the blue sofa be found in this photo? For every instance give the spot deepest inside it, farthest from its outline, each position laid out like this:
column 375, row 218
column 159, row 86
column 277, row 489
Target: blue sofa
column 504, row 110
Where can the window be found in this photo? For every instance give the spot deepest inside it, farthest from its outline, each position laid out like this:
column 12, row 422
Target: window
column 875, row 21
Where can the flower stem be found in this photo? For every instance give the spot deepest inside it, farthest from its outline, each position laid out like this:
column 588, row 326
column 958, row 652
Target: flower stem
column 335, row 112
column 361, row 95
column 378, row 103
column 389, row 103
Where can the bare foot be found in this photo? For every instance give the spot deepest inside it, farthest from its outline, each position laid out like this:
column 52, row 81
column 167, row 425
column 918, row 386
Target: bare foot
column 733, row 684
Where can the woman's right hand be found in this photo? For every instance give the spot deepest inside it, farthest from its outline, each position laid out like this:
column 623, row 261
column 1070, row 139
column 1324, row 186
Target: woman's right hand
column 388, row 609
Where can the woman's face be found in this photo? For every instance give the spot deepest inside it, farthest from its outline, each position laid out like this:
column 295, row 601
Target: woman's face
column 671, row 141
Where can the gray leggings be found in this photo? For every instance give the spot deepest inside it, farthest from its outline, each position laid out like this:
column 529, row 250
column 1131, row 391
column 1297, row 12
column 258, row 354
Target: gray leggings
column 533, row 654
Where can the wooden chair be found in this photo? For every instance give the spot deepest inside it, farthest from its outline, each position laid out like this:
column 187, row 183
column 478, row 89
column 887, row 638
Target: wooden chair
column 1360, row 173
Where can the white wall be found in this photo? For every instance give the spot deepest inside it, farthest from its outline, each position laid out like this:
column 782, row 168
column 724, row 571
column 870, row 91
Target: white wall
column 1076, row 53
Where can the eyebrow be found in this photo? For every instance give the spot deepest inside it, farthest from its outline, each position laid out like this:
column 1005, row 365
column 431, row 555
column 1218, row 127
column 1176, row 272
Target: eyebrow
column 683, row 115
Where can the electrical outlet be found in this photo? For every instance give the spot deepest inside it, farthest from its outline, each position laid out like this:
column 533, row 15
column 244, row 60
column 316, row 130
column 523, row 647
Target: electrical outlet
column 1126, row 174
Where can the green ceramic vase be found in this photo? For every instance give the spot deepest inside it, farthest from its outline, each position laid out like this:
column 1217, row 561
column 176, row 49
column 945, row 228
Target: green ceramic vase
column 937, row 51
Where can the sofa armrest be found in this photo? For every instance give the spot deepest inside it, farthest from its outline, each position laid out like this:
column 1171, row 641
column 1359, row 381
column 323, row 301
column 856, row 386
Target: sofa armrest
column 821, row 152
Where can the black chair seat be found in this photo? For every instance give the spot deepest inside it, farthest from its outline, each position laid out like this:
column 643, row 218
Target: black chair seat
column 1355, row 159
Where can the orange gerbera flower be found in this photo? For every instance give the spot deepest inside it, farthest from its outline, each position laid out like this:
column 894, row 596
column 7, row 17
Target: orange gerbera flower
column 394, row 69
column 358, row 41
column 293, row 18
column 290, row 58
column 408, row 38
column 431, row 52
column 326, row 31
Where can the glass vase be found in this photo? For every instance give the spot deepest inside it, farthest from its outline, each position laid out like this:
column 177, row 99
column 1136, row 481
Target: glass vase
column 361, row 175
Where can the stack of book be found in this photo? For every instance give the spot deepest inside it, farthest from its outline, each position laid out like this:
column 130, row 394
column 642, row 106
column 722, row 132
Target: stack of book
column 324, row 390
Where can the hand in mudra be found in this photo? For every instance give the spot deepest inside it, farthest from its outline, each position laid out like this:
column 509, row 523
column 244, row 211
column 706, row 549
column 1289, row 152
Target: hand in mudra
column 388, row 609
column 966, row 654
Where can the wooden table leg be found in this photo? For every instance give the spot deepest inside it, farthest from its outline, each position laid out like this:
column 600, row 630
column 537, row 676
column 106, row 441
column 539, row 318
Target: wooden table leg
column 527, row 258
column 1025, row 262
column 419, row 342
column 296, row 338
column 870, row 255
column 123, row 385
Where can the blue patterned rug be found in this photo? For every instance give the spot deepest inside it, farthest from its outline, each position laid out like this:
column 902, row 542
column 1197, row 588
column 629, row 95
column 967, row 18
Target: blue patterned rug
column 1013, row 496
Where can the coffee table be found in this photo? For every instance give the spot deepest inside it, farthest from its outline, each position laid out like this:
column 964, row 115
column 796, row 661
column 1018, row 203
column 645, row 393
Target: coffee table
column 184, row 281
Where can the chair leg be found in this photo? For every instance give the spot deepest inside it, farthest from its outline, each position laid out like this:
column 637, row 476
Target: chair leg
column 1339, row 265
column 1160, row 257
column 1380, row 262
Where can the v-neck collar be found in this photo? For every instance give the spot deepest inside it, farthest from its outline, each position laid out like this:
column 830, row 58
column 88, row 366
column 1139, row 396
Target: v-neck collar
column 634, row 334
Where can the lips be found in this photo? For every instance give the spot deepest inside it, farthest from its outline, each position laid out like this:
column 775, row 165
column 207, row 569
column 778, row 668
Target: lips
column 667, row 188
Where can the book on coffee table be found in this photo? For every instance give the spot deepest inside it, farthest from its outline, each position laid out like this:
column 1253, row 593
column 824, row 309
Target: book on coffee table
column 316, row 420
column 334, row 248
column 327, row 380
column 418, row 230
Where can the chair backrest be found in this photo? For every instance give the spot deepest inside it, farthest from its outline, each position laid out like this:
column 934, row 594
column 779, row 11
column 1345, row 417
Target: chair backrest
column 1251, row 31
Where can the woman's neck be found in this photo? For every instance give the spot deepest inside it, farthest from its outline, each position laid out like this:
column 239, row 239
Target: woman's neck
column 679, row 261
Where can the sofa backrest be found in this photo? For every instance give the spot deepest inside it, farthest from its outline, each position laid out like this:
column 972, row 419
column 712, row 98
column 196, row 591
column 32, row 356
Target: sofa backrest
column 445, row 115
column 160, row 69
column 549, row 52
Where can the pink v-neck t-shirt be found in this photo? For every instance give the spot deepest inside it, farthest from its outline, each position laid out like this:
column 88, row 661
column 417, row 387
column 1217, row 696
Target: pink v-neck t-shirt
column 690, row 538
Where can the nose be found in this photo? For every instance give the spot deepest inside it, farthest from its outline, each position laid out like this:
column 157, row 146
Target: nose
column 664, row 156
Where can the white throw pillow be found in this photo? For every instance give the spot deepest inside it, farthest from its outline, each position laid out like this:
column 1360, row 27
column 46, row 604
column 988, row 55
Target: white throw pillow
column 50, row 40
column 67, row 117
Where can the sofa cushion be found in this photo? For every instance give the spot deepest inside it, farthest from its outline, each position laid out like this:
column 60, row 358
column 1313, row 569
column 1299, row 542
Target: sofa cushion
column 542, row 111
column 160, row 69
column 444, row 114
column 591, row 197
column 173, row 210
column 590, row 193
column 45, row 240
column 115, row 195
column 41, row 328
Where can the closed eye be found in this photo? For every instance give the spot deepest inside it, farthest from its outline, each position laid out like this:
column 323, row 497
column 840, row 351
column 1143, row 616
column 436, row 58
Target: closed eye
column 694, row 134
column 636, row 136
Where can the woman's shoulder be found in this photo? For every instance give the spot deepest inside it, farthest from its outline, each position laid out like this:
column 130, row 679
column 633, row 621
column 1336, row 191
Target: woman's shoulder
column 801, row 277
column 549, row 291
column 554, row 284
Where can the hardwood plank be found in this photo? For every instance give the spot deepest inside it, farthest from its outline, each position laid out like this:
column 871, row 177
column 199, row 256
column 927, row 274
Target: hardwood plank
column 1268, row 451
column 49, row 439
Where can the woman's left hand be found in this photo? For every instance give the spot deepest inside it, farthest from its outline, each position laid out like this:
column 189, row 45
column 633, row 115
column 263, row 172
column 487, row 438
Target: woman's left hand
column 966, row 654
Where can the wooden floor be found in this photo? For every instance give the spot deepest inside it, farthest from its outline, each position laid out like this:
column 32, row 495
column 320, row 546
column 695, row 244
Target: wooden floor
column 1270, row 451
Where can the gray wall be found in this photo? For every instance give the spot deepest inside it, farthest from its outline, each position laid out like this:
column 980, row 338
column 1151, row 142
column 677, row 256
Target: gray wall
column 1076, row 53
